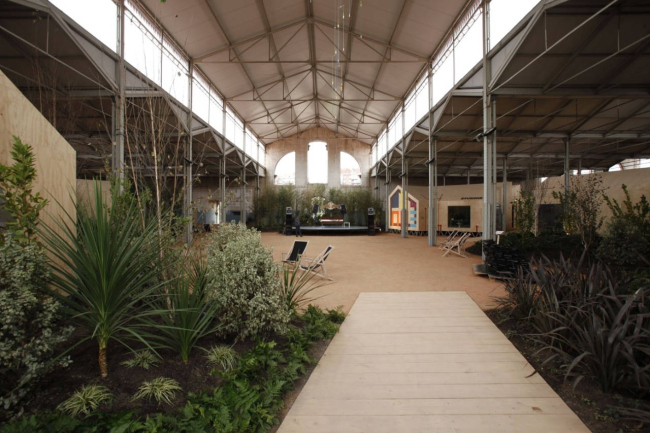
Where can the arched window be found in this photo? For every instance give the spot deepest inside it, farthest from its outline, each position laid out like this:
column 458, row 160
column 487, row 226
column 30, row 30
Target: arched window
column 285, row 170
column 350, row 170
column 317, row 162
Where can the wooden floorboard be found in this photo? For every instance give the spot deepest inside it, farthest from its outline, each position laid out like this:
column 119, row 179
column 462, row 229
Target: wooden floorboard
column 425, row 362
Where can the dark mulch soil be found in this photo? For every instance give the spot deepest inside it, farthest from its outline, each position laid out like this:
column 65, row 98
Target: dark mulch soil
column 124, row 382
column 594, row 407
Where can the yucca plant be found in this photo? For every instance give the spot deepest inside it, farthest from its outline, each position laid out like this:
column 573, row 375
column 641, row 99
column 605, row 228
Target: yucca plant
column 106, row 271
column 144, row 359
column 161, row 389
column 192, row 314
column 297, row 286
column 86, row 400
column 222, row 357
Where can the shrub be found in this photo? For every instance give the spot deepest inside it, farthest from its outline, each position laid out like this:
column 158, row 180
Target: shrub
column 16, row 183
column 143, row 359
column 582, row 208
column 107, row 271
column 29, row 333
column 244, row 282
column 86, row 400
column 607, row 339
column 161, row 389
column 222, row 357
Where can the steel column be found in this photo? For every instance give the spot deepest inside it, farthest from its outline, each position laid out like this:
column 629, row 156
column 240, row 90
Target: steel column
column 222, row 189
column 405, row 195
column 242, row 202
column 432, row 220
column 504, row 207
column 188, row 175
column 567, row 172
column 117, row 163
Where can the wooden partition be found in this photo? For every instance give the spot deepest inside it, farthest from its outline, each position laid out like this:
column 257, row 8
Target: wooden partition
column 56, row 163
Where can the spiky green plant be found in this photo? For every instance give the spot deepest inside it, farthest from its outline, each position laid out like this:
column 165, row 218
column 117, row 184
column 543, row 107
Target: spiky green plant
column 192, row 312
column 144, row 359
column 161, row 389
column 106, row 270
column 297, row 286
column 222, row 357
column 86, row 400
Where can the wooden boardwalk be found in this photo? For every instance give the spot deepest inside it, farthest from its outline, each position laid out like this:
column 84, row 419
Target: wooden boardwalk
column 425, row 362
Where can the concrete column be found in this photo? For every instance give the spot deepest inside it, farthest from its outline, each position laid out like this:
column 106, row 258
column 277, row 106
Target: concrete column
column 188, row 174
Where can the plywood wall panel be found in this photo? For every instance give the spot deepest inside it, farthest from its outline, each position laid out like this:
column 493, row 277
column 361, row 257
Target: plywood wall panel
column 56, row 164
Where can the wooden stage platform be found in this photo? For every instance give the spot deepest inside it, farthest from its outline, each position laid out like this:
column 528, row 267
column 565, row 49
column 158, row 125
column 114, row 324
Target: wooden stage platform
column 332, row 230
column 425, row 362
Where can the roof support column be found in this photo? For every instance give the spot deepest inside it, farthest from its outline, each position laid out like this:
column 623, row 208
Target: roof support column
column 188, row 175
column 222, row 189
column 489, row 142
column 567, row 172
column 242, row 202
column 405, row 181
column 504, row 207
column 432, row 218
column 468, row 169
column 117, row 162
column 386, row 187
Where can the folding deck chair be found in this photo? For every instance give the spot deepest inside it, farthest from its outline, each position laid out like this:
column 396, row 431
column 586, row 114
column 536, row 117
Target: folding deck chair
column 450, row 239
column 454, row 246
column 297, row 250
column 317, row 264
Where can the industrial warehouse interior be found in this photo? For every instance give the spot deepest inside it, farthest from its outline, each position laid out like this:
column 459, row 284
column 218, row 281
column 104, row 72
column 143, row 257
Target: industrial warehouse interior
column 324, row 216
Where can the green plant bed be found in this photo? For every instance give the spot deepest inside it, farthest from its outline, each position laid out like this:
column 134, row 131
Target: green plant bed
column 247, row 398
column 550, row 244
column 602, row 412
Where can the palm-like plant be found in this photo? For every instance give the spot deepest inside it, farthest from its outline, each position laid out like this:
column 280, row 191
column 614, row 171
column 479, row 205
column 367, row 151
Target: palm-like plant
column 192, row 314
column 297, row 286
column 106, row 270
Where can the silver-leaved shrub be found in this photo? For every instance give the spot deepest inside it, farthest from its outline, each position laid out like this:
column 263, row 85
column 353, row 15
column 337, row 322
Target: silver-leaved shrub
column 29, row 332
column 244, row 281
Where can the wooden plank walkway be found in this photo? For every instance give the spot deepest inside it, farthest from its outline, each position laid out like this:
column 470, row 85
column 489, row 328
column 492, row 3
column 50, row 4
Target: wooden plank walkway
column 425, row 362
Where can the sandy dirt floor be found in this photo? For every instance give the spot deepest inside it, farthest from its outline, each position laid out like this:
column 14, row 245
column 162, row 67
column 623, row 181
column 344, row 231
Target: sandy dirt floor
column 388, row 263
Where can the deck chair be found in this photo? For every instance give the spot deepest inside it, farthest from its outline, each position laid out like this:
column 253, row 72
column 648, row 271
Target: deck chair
column 454, row 246
column 317, row 264
column 297, row 250
column 450, row 239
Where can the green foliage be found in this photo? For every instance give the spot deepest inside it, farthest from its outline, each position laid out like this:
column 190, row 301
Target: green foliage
column 582, row 208
column 106, row 273
column 337, row 315
column 192, row 312
column 626, row 241
column 296, row 287
column 29, row 333
column 524, row 214
column 160, row 389
column 16, row 193
column 607, row 339
column 244, row 282
column 86, row 400
column 247, row 401
column 222, row 357
column 143, row 359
